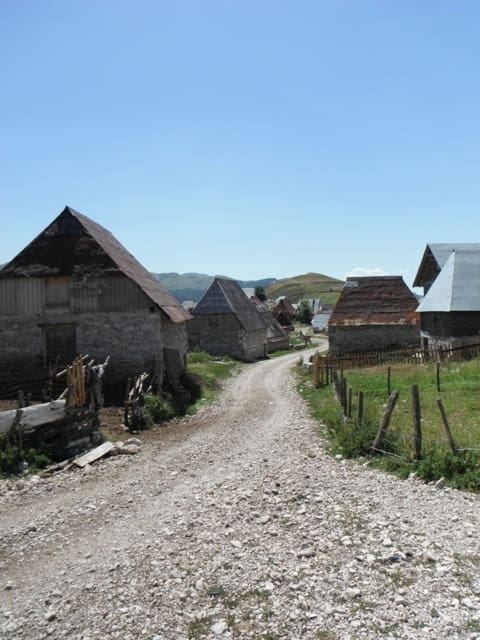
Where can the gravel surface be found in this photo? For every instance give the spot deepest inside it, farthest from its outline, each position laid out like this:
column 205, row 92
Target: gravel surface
column 236, row 523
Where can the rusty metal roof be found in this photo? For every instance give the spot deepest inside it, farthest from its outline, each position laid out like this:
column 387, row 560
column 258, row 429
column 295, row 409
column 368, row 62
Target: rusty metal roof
column 227, row 297
column 74, row 245
column 376, row 300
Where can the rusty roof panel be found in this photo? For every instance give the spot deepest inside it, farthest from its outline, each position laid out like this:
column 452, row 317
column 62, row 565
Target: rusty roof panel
column 377, row 300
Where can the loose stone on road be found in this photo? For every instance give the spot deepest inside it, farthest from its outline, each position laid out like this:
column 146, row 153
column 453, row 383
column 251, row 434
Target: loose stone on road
column 237, row 525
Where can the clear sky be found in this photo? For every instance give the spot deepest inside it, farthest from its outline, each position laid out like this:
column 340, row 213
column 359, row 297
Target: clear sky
column 251, row 138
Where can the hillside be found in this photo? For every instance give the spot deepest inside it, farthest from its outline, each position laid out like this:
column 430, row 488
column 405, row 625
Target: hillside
column 192, row 286
column 309, row 285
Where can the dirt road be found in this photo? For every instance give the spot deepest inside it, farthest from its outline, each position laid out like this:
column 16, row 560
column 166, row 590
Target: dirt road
column 236, row 523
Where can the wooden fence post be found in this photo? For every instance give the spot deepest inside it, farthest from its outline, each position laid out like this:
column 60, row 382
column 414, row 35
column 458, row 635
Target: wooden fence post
column 437, row 376
column 451, row 441
column 389, row 375
column 417, row 419
column 316, row 370
column 392, row 401
column 343, row 394
column 360, row 409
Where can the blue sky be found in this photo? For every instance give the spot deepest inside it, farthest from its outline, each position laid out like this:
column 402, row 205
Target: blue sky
column 245, row 138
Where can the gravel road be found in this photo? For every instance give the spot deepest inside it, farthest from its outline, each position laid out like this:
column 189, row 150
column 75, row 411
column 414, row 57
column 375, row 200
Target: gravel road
column 237, row 523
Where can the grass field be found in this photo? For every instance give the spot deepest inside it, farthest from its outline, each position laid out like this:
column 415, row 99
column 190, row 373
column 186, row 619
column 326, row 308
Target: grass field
column 206, row 372
column 309, row 285
column 460, row 394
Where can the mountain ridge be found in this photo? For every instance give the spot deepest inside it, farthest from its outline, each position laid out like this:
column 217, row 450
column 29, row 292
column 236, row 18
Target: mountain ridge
column 192, row 285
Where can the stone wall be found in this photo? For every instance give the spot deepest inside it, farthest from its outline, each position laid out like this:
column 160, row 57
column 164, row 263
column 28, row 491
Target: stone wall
column 134, row 341
column 224, row 335
column 371, row 337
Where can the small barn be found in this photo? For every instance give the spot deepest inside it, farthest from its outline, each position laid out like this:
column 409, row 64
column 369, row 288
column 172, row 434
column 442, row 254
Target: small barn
column 76, row 290
column 284, row 312
column 226, row 322
column 277, row 338
column 450, row 309
column 374, row 313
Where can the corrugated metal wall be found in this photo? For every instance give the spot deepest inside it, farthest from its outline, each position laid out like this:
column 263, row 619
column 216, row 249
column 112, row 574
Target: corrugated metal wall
column 22, row 296
column 27, row 296
column 114, row 293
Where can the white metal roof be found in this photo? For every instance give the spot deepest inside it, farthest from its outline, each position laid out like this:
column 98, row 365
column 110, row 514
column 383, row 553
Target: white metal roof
column 457, row 286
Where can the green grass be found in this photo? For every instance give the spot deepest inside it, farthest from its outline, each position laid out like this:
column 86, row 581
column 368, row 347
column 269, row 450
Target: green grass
column 309, row 285
column 205, row 374
column 460, row 393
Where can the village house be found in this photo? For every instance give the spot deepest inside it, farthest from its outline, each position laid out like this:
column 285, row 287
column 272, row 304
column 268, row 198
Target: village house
column 277, row 338
column 374, row 313
column 76, row 290
column 450, row 309
column 226, row 322
column 284, row 312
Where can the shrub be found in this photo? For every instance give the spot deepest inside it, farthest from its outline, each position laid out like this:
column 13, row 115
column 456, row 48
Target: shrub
column 158, row 409
column 12, row 458
column 462, row 470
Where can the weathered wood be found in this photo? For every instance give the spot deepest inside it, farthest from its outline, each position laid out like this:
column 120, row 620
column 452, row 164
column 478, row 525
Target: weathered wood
column 450, row 438
column 94, row 454
column 417, row 419
column 33, row 416
column 437, row 376
column 360, row 409
column 316, row 370
column 392, row 401
column 389, row 379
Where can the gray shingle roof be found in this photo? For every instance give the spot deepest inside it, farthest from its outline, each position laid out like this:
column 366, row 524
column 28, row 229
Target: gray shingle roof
column 226, row 297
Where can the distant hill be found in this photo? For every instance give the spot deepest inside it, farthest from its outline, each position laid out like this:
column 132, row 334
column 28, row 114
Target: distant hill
column 192, row 286
column 310, row 285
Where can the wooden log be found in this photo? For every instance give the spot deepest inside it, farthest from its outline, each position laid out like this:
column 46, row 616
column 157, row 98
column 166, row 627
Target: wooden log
column 33, row 416
column 417, row 419
column 378, row 442
column 450, row 438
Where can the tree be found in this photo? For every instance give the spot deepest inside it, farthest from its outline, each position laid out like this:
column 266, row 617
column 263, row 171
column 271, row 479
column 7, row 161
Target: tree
column 304, row 312
column 260, row 293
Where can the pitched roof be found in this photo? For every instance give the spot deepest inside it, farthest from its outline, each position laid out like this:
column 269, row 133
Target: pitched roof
column 380, row 300
column 457, row 286
column 226, row 297
column 77, row 246
column 437, row 253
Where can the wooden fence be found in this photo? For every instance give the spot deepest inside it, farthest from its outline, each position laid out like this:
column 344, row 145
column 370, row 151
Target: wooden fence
column 329, row 370
column 64, row 426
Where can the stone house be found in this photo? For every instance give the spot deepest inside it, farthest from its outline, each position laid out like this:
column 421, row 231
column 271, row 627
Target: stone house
column 76, row 290
column 226, row 322
column 450, row 309
column 374, row 313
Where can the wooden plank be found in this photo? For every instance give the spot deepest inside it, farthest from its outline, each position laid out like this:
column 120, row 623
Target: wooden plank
column 94, row 454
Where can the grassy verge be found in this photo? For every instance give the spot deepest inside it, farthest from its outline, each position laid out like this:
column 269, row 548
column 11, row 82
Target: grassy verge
column 460, row 394
column 205, row 374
